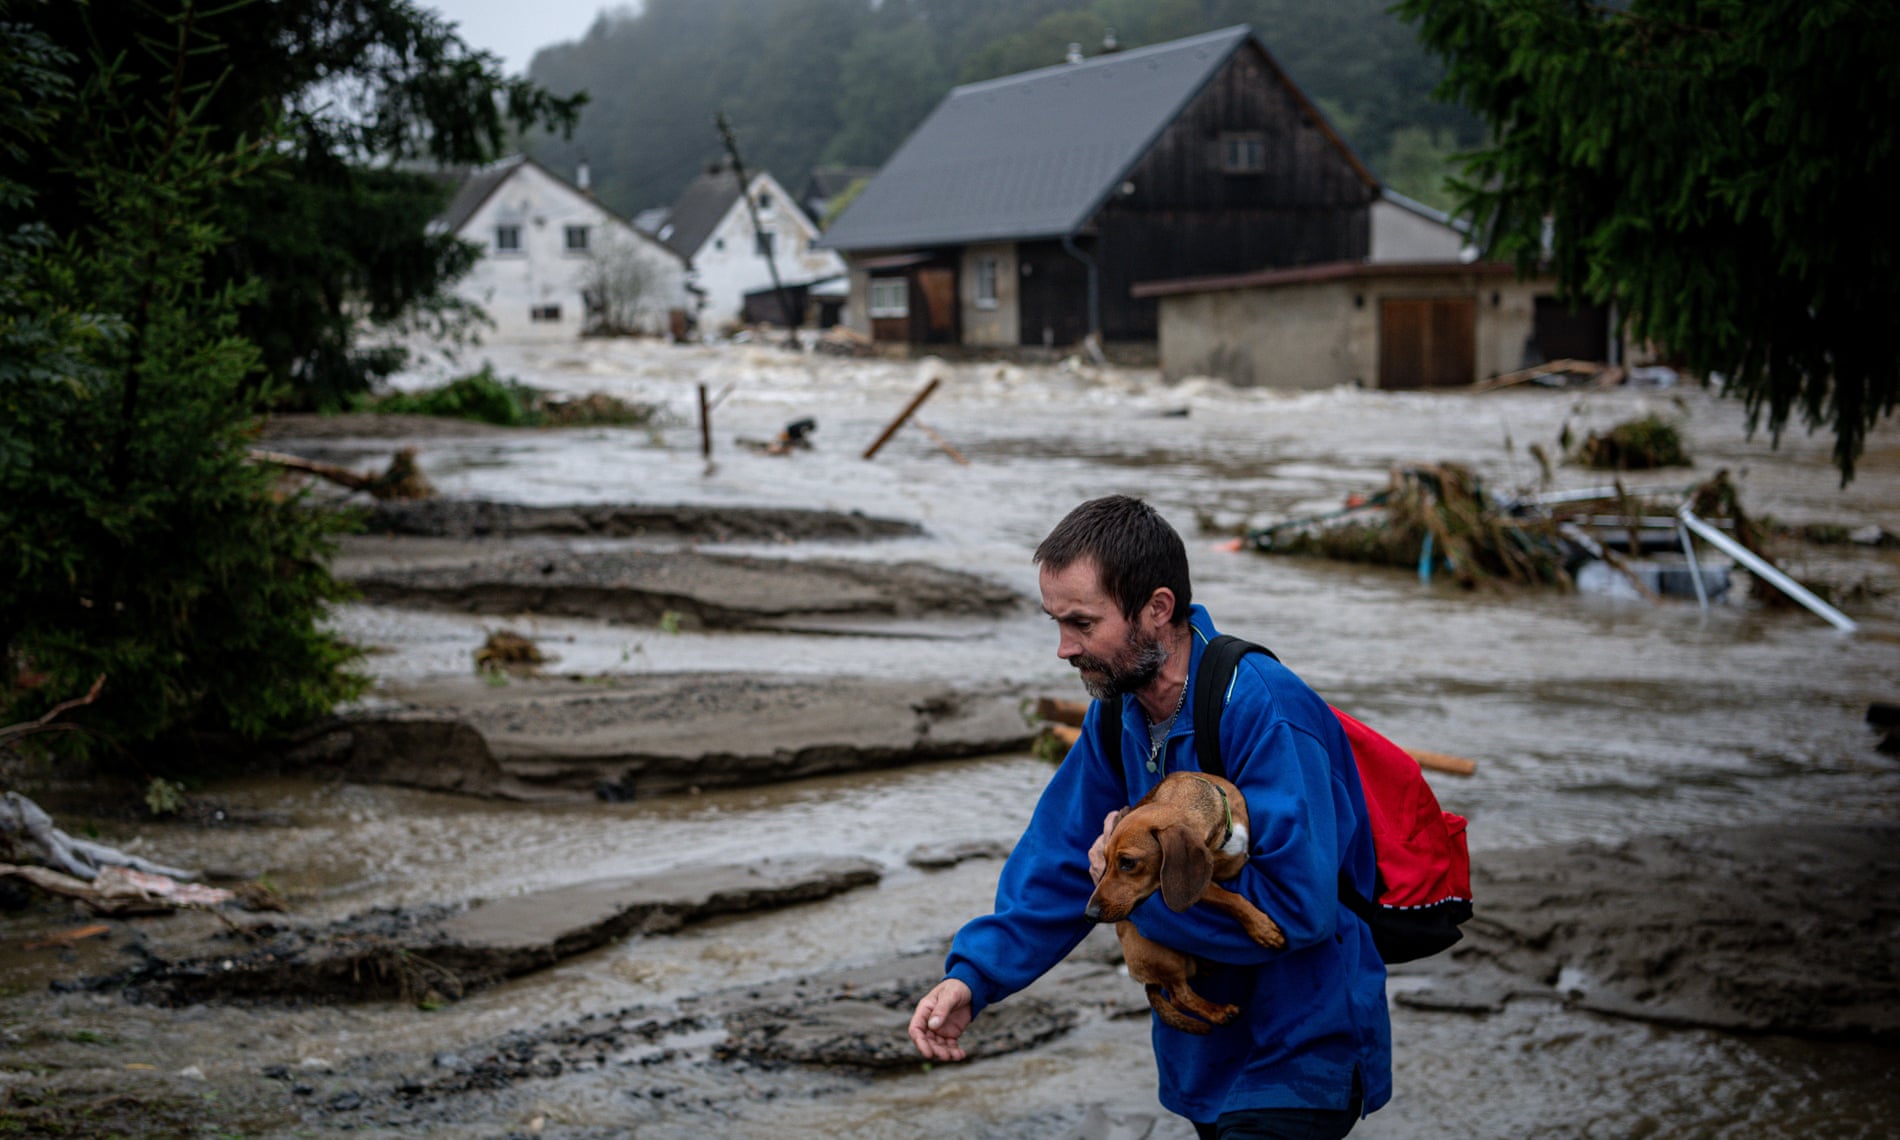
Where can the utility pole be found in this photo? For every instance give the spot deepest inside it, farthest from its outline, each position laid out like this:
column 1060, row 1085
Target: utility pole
column 752, row 211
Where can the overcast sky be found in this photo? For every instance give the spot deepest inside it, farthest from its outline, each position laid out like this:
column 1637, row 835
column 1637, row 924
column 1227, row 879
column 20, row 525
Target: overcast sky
column 515, row 29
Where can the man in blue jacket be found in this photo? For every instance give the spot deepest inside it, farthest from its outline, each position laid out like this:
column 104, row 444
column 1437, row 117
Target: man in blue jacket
column 1311, row 1051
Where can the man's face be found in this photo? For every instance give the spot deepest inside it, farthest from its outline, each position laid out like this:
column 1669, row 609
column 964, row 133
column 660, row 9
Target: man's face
column 1113, row 654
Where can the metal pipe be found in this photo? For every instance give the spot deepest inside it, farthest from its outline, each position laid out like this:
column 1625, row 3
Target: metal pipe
column 1695, row 568
column 1764, row 569
column 1095, row 289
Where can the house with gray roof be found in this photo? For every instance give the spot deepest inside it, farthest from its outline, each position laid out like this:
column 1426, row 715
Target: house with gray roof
column 711, row 225
column 1024, row 209
column 556, row 263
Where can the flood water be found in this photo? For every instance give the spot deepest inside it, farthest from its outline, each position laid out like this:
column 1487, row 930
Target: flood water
column 1590, row 719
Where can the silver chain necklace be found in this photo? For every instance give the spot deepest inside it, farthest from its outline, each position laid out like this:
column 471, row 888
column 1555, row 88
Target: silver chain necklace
column 1155, row 742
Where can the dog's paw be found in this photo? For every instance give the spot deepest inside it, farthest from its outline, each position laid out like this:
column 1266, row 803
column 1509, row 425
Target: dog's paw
column 1225, row 1014
column 1265, row 932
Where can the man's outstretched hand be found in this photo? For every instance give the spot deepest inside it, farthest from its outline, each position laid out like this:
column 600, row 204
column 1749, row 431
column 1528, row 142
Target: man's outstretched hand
column 940, row 1019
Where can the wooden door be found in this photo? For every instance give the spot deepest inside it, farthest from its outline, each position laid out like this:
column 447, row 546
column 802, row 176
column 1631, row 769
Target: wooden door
column 1428, row 342
column 937, row 289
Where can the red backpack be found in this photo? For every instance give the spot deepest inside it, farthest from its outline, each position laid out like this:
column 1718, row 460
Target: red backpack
column 1424, row 884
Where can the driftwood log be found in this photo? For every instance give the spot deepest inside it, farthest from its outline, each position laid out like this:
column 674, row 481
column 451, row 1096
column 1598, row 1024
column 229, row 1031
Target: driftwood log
column 402, row 480
column 27, row 835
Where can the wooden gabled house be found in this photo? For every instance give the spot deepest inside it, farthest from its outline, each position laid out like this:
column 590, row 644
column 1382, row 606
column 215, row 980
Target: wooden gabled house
column 1023, row 209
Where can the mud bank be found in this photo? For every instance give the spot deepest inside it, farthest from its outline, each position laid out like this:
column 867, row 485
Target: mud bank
column 699, row 591
column 440, row 953
column 466, row 518
column 1787, row 930
column 634, row 737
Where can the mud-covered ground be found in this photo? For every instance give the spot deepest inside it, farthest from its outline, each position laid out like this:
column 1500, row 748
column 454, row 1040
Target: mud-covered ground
column 686, row 876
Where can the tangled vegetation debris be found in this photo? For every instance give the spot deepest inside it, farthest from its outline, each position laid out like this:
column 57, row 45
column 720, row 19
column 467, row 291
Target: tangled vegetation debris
column 1428, row 517
column 1634, row 445
column 506, row 651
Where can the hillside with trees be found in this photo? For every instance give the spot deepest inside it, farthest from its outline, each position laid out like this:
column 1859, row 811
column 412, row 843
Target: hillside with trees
column 810, row 82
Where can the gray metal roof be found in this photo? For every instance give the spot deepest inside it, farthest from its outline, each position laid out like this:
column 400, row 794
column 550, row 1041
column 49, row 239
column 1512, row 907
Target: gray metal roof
column 700, row 207
column 474, row 190
column 1032, row 155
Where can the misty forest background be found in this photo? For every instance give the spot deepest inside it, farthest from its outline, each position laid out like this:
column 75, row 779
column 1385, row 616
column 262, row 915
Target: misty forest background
column 842, row 82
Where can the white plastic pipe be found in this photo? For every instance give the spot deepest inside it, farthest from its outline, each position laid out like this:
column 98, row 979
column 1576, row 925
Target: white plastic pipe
column 1764, row 569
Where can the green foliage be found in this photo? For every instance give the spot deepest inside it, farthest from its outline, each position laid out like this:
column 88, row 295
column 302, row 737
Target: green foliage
column 164, row 797
column 354, row 97
column 1719, row 168
column 135, row 539
column 479, row 396
column 488, row 398
column 1634, row 445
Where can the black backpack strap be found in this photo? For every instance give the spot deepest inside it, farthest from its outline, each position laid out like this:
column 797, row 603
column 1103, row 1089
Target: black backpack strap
column 1218, row 662
column 1108, row 727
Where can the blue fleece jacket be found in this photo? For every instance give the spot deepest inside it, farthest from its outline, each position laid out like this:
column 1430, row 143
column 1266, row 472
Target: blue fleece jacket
column 1313, row 1013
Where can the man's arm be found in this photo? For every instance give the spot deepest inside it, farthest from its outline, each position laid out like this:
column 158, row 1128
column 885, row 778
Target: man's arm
column 1040, row 896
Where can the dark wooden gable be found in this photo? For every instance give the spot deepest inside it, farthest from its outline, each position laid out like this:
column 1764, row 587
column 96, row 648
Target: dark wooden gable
column 1179, row 213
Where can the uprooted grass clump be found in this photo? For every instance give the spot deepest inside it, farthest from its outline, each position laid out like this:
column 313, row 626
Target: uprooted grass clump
column 508, row 402
column 1634, row 445
column 1435, row 516
column 506, row 651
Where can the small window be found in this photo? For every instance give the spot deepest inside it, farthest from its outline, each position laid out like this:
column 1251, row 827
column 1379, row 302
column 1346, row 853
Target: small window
column 766, row 239
column 507, row 239
column 890, row 297
column 545, row 313
column 577, row 239
column 765, row 199
column 719, row 243
column 986, row 282
column 1243, row 152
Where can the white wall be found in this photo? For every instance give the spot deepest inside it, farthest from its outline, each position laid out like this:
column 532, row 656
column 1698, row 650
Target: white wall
column 510, row 285
column 727, row 266
column 1399, row 234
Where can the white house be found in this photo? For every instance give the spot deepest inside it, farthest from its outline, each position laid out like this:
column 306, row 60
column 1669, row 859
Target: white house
column 556, row 262
column 710, row 226
column 1407, row 231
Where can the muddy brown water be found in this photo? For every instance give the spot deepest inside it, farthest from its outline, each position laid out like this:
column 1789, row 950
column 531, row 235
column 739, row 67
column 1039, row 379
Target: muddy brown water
column 1591, row 720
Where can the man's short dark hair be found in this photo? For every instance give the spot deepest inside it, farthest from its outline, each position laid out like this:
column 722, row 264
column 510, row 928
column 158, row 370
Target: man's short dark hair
column 1135, row 549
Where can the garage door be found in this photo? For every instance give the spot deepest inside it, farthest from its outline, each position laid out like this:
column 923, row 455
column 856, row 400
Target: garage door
column 1428, row 342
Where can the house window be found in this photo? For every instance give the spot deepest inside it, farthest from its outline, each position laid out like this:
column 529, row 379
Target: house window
column 890, row 297
column 766, row 239
column 577, row 239
column 545, row 313
column 507, row 239
column 986, row 282
column 765, row 199
column 1243, row 152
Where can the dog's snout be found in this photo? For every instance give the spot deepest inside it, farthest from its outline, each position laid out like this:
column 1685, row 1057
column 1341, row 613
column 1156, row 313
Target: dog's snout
column 1094, row 911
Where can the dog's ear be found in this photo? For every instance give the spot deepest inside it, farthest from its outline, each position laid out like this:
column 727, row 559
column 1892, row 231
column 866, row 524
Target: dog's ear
column 1186, row 869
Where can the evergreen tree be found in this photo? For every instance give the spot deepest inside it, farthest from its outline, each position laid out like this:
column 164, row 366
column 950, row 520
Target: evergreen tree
column 136, row 541
column 1721, row 169
column 357, row 96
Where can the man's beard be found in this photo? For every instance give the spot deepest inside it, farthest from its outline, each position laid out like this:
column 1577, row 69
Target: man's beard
column 1132, row 669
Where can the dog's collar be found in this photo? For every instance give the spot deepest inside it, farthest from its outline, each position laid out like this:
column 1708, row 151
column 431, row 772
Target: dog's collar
column 1226, row 807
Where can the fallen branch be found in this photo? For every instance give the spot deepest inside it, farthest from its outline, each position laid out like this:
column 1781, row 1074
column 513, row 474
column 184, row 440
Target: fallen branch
column 26, row 829
column 14, row 732
column 402, row 480
column 1564, row 367
column 119, row 891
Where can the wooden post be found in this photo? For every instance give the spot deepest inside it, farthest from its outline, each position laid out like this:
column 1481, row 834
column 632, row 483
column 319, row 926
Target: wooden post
column 942, row 442
column 705, row 425
column 910, row 409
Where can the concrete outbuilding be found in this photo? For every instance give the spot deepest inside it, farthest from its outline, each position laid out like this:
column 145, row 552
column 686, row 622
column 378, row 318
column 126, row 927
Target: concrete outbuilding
column 1394, row 324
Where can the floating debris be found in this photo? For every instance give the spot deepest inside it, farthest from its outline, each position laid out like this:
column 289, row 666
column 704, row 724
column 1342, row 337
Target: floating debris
column 1430, row 517
column 506, row 651
column 1634, row 445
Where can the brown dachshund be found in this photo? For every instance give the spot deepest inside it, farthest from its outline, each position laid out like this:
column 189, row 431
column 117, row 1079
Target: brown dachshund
column 1189, row 831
